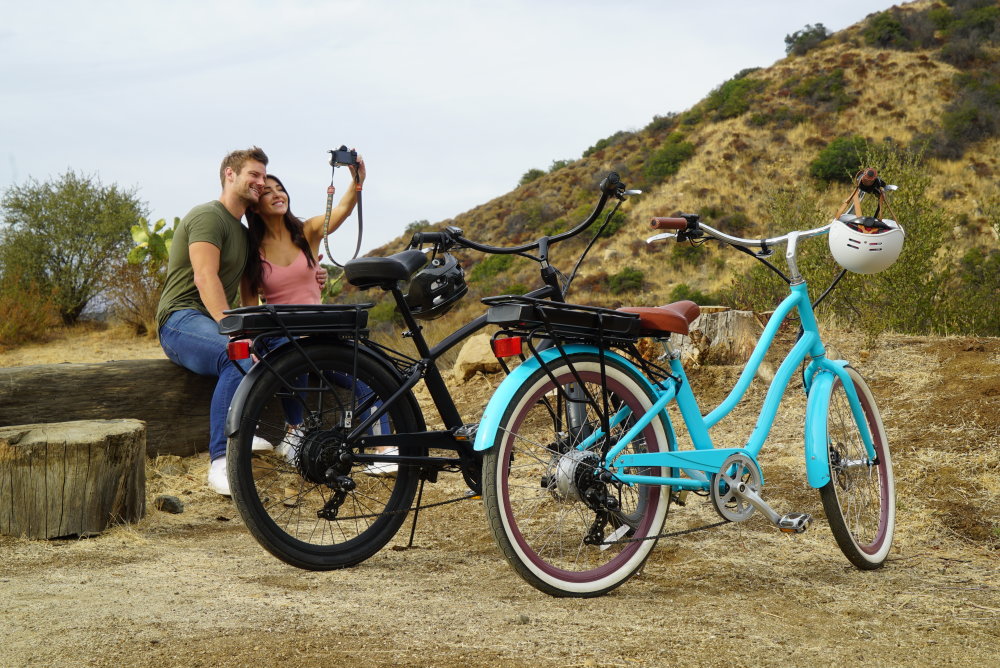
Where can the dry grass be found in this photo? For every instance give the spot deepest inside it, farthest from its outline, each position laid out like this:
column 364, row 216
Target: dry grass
column 194, row 589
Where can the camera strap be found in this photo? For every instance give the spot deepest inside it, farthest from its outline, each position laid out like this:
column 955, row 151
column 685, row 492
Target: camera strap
column 329, row 209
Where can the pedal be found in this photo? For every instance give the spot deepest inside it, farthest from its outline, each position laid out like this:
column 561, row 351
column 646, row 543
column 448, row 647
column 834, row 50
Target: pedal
column 795, row 522
column 467, row 432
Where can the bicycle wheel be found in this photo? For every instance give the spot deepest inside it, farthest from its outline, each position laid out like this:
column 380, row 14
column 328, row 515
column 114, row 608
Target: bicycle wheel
column 542, row 498
column 305, row 501
column 860, row 499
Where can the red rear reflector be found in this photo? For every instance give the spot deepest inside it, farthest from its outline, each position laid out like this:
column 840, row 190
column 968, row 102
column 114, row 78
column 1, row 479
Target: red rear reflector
column 238, row 350
column 508, row 347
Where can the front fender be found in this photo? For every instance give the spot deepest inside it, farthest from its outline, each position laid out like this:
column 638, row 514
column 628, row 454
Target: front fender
column 816, row 446
column 504, row 394
column 260, row 369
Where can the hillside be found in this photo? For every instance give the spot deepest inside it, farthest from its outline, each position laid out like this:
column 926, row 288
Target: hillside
column 745, row 151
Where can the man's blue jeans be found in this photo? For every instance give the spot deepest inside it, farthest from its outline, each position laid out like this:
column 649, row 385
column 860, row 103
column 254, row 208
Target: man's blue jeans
column 192, row 340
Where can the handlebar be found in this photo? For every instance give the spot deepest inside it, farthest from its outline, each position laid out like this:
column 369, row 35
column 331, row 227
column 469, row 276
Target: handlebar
column 611, row 186
column 691, row 226
column 663, row 223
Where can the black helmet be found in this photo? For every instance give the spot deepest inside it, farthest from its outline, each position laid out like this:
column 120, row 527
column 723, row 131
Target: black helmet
column 436, row 288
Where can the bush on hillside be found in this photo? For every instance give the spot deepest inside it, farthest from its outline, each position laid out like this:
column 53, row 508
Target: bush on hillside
column 667, row 160
column 628, row 279
column 531, row 175
column 823, row 92
column 613, row 140
column 840, row 160
column 684, row 291
column 734, row 97
column 971, row 116
column 802, row 41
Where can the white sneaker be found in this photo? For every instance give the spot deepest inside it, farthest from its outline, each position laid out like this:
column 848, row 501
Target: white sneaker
column 289, row 446
column 218, row 479
column 260, row 445
column 385, row 469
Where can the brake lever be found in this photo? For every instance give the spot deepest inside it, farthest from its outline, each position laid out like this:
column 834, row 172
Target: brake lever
column 661, row 237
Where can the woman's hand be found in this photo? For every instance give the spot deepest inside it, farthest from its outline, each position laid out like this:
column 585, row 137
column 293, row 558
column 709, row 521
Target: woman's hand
column 321, row 275
column 358, row 171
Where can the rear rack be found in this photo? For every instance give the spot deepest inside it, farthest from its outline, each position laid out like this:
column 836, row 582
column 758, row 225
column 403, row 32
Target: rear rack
column 560, row 321
column 296, row 320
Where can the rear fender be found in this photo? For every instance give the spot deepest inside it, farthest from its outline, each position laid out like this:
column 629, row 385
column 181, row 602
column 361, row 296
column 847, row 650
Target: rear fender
column 504, row 394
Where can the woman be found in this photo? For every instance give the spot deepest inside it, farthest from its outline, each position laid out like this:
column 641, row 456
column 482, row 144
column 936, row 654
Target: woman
column 281, row 268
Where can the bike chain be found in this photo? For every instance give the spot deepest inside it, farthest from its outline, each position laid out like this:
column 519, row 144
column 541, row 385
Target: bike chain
column 670, row 534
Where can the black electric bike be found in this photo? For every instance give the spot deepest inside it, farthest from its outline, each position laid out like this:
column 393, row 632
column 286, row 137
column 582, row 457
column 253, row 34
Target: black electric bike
column 317, row 419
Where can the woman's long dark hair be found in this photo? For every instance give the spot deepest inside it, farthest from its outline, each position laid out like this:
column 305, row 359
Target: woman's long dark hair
column 255, row 267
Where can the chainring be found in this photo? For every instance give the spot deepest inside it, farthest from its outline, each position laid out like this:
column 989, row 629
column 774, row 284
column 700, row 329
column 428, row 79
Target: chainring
column 736, row 469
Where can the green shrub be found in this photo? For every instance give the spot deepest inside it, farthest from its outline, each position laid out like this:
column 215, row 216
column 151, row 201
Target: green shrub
column 617, row 221
column 414, row 227
column 780, row 117
column 685, row 291
column 802, row 41
column 531, row 175
column 972, row 288
column 64, row 234
column 840, row 160
column 626, row 280
column 667, row 160
column 490, row 267
column 663, row 123
column 826, row 92
column 613, row 140
column 384, row 316
column 734, row 97
column 885, row 31
column 973, row 115
column 559, row 164
column 27, row 311
column 134, row 293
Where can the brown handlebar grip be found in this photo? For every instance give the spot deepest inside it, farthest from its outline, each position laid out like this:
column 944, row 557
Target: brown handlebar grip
column 660, row 223
column 868, row 176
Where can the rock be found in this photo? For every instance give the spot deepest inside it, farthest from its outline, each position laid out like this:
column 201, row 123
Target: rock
column 169, row 504
column 476, row 356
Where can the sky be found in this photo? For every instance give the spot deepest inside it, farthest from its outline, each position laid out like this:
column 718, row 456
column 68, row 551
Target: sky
column 449, row 102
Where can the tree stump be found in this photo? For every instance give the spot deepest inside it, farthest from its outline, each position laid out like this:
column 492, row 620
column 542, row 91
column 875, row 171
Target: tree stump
column 721, row 337
column 71, row 478
column 173, row 402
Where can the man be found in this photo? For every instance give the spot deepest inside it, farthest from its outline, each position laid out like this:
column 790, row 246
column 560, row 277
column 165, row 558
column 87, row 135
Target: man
column 207, row 259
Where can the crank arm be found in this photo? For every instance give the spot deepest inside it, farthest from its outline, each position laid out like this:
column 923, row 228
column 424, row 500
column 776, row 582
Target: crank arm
column 790, row 523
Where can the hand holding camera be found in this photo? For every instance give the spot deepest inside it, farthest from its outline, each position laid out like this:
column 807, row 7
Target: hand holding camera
column 343, row 157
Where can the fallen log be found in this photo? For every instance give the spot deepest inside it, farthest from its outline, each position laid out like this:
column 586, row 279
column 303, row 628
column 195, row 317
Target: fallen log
column 172, row 401
column 71, row 478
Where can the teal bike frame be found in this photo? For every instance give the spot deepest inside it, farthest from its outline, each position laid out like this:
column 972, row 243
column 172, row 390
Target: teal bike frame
column 820, row 376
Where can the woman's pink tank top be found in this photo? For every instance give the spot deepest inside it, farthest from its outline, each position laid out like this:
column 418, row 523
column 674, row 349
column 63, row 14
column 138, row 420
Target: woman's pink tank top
column 294, row 284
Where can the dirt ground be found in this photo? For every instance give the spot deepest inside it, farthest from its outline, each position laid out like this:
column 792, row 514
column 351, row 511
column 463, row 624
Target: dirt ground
column 194, row 589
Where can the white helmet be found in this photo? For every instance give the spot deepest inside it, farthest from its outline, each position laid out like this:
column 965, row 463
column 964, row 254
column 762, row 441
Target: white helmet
column 865, row 245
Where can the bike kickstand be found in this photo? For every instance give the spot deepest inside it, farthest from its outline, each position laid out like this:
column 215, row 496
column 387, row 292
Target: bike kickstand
column 416, row 512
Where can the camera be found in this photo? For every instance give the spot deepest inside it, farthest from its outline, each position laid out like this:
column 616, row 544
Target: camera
column 342, row 156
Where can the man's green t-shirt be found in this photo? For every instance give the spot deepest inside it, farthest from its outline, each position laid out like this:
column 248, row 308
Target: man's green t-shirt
column 213, row 223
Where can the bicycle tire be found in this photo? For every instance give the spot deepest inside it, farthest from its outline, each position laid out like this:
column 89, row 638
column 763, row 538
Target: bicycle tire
column 540, row 528
column 860, row 500
column 279, row 493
